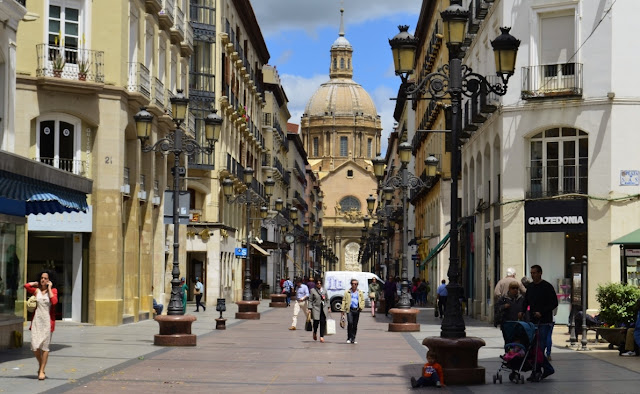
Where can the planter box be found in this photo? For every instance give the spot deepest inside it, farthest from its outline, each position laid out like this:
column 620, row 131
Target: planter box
column 615, row 336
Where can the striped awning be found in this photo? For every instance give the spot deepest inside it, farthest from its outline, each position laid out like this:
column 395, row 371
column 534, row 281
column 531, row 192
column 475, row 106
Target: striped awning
column 437, row 249
column 39, row 196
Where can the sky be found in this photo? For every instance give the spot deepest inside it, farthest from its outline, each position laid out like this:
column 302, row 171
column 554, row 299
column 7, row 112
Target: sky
column 299, row 35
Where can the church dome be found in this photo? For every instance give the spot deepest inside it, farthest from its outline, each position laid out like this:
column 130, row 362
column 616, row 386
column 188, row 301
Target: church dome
column 341, row 97
column 341, row 43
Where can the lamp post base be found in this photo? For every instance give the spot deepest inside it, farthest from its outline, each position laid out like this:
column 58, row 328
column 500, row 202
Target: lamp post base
column 278, row 301
column 221, row 323
column 404, row 320
column 248, row 310
column 175, row 330
column 459, row 359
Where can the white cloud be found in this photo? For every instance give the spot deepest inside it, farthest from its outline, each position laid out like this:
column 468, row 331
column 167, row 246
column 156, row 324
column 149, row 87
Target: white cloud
column 381, row 98
column 299, row 90
column 276, row 16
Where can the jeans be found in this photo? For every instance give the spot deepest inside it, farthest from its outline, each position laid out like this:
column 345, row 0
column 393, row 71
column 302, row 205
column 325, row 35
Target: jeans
column 353, row 316
column 199, row 304
column 288, row 293
column 543, row 335
column 442, row 305
column 430, row 381
column 322, row 323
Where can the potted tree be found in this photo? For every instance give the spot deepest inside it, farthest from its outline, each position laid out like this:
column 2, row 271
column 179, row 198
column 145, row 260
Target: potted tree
column 83, row 69
column 617, row 310
column 58, row 65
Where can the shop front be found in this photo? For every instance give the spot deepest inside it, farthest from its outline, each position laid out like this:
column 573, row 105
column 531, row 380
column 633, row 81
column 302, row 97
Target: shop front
column 555, row 231
column 629, row 257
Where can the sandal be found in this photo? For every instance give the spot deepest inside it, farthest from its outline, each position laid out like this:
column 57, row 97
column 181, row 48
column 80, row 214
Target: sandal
column 42, row 377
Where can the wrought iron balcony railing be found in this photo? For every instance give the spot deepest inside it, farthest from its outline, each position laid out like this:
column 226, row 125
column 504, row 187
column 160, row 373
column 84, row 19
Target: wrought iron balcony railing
column 70, row 63
column 158, row 93
column 552, row 80
column 139, row 79
column 77, row 167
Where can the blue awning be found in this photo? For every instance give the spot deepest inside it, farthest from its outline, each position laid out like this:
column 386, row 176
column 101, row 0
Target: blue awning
column 38, row 196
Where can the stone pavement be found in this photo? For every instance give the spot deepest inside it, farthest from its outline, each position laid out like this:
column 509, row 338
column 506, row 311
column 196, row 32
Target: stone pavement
column 264, row 356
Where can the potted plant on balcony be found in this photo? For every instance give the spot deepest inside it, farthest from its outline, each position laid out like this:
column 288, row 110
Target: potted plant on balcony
column 58, row 64
column 83, row 69
column 617, row 310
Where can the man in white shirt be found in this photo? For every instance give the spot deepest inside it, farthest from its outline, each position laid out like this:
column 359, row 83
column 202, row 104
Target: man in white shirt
column 199, row 291
column 302, row 302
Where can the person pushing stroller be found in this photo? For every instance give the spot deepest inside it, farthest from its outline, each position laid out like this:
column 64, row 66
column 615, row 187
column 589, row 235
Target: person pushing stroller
column 541, row 299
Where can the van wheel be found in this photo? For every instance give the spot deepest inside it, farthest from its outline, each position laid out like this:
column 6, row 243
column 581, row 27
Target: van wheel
column 336, row 304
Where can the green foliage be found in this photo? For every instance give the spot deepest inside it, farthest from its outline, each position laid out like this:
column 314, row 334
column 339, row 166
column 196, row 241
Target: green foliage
column 617, row 303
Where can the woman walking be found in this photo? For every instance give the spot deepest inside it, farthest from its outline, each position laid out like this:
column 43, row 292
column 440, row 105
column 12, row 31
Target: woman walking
column 374, row 294
column 318, row 298
column 44, row 318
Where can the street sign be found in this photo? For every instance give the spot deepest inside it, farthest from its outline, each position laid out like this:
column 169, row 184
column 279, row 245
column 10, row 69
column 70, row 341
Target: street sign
column 241, row 253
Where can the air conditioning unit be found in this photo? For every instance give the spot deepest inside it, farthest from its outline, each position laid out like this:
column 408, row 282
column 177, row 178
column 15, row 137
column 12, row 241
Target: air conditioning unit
column 125, row 189
column 156, row 200
column 142, row 195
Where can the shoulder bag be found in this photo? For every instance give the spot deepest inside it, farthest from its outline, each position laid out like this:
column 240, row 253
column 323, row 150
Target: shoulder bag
column 32, row 304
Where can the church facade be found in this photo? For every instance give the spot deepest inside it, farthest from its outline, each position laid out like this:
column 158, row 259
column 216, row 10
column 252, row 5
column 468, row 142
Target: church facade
column 341, row 134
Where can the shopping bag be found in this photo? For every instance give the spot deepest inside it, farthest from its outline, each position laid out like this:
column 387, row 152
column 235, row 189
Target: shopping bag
column 343, row 322
column 331, row 326
column 308, row 326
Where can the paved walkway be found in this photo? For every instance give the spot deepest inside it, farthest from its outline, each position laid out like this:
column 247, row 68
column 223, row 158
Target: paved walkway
column 264, row 356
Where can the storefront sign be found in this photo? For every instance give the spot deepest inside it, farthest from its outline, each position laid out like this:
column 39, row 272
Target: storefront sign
column 556, row 216
column 73, row 222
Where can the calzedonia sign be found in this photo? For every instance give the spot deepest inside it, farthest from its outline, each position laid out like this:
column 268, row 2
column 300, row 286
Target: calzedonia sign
column 547, row 216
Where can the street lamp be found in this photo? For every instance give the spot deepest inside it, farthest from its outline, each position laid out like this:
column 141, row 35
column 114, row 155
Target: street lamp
column 177, row 143
column 405, row 182
column 453, row 81
column 247, row 199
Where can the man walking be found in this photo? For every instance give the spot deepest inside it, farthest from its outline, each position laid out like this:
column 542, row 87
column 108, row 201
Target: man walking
column 541, row 298
column 389, row 295
column 352, row 304
column 199, row 291
column 302, row 302
column 502, row 287
column 442, row 298
column 287, row 286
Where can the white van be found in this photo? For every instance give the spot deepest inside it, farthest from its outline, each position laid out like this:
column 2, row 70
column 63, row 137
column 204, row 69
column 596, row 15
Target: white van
column 337, row 282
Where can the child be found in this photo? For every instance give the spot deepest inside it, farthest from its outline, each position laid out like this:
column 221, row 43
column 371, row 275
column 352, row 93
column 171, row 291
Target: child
column 431, row 373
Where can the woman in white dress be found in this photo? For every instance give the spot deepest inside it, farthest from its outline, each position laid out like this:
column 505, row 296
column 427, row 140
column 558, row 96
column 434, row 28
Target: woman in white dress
column 44, row 318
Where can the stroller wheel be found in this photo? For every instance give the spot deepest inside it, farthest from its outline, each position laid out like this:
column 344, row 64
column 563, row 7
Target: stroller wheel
column 500, row 378
column 521, row 379
column 495, row 379
column 512, row 377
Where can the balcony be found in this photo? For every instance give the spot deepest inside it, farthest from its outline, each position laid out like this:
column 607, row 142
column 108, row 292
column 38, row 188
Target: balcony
column 139, row 80
column 552, row 81
column 153, row 6
column 166, row 14
column 77, row 167
column 70, row 63
column 167, row 105
column 186, row 46
column 177, row 31
column 158, row 93
column 548, row 181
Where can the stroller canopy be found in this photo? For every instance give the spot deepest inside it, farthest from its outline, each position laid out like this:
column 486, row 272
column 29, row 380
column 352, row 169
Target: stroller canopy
column 519, row 331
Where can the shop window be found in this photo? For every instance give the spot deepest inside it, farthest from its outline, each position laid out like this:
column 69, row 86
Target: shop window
column 11, row 281
column 558, row 162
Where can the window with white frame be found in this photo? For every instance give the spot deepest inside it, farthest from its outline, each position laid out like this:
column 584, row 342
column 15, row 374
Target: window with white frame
column 557, row 50
column 58, row 142
column 559, row 162
column 65, row 28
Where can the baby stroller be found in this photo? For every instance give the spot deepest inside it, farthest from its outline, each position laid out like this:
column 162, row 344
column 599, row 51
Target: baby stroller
column 522, row 353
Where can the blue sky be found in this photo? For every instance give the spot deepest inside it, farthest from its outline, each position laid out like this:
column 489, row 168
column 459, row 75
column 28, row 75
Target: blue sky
column 299, row 34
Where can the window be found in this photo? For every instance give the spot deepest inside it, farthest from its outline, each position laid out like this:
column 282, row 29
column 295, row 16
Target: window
column 349, row 173
column 344, row 146
column 559, row 162
column 201, row 71
column 349, row 203
column 58, row 143
column 315, row 146
column 369, row 147
column 341, row 63
column 557, row 49
column 64, row 30
column 335, row 63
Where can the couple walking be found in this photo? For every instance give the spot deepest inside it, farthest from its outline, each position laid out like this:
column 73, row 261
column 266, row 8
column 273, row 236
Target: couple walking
column 317, row 300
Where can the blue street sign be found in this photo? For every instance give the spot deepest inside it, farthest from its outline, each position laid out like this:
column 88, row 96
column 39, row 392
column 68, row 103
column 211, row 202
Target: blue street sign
column 241, row 253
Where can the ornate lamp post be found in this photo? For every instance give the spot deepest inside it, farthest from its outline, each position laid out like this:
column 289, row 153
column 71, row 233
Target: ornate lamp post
column 454, row 80
column 176, row 143
column 247, row 308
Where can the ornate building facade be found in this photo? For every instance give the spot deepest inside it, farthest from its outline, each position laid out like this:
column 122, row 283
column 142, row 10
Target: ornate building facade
column 341, row 134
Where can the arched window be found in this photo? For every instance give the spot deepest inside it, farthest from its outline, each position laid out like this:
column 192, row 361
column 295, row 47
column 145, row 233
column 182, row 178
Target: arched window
column 341, row 63
column 350, row 203
column 335, row 63
column 559, row 159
